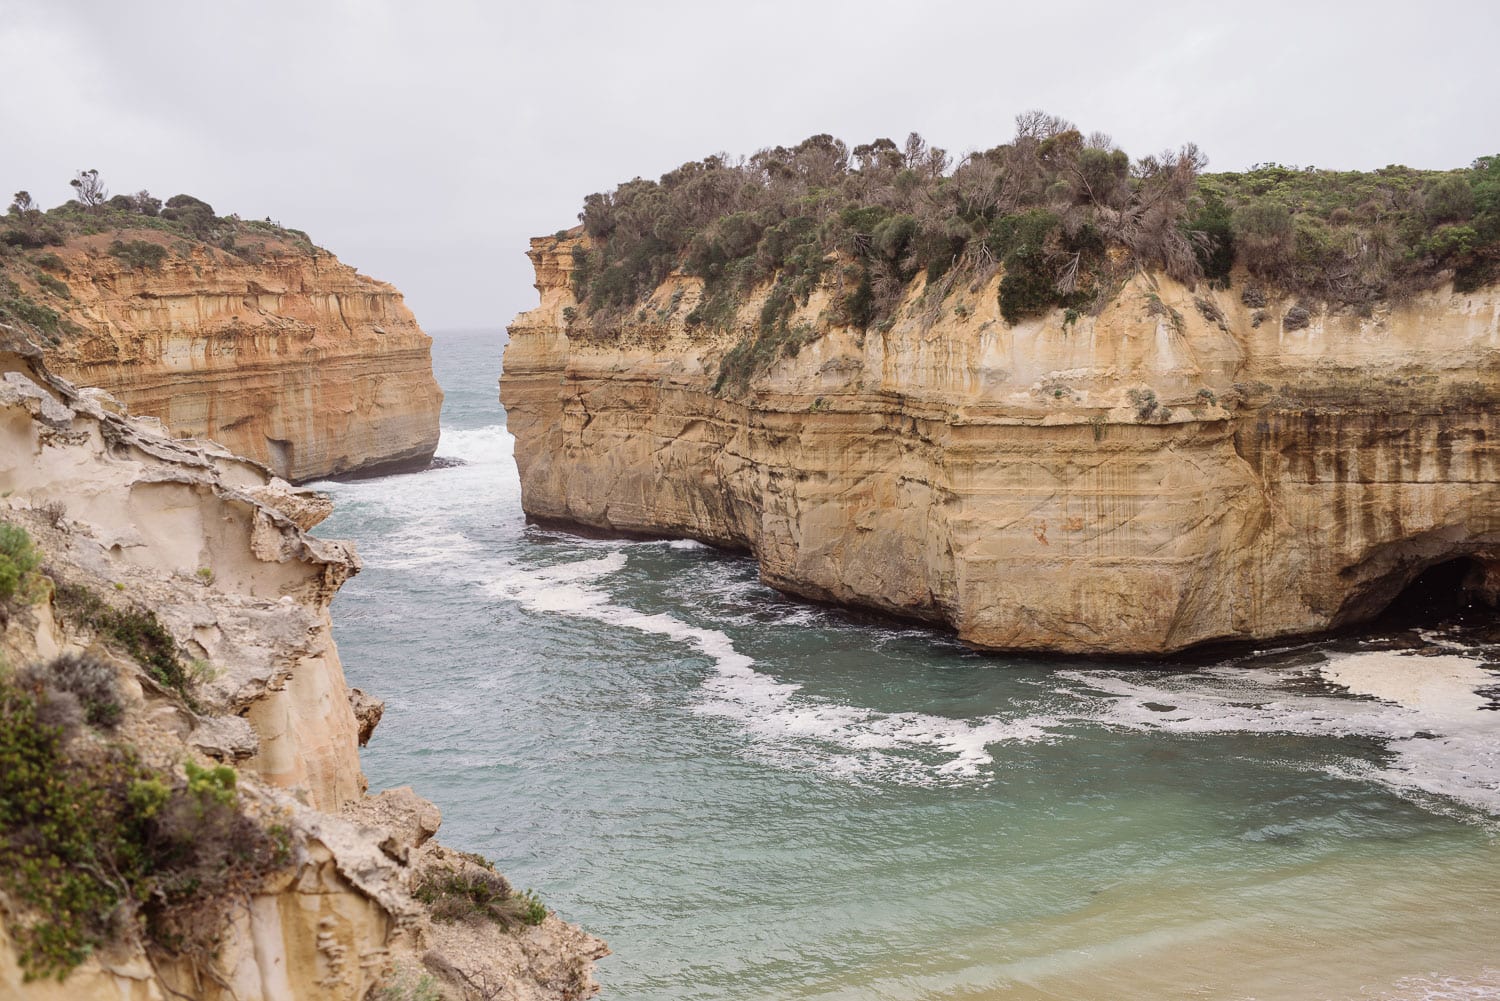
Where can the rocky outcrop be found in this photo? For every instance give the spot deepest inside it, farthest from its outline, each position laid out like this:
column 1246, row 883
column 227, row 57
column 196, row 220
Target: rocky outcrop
column 292, row 359
column 218, row 552
column 1188, row 466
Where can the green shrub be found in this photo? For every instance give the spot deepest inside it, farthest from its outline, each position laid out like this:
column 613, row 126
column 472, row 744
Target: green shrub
column 86, row 681
column 192, row 215
column 403, row 985
column 54, row 286
column 1214, row 222
column 477, row 894
column 18, row 563
column 760, row 349
column 31, row 230
column 136, row 631
column 1452, row 243
column 139, row 254
column 22, row 310
column 884, row 213
column 1144, row 401
column 211, row 784
column 88, row 832
column 1264, row 236
column 1449, row 198
column 53, row 819
column 1028, row 287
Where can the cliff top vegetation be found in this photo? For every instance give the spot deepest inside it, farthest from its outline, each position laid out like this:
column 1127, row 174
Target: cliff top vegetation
column 147, row 231
column 1067, row 216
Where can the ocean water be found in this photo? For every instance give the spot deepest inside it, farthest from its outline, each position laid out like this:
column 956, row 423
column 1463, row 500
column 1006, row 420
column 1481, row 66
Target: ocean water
column 752, row 798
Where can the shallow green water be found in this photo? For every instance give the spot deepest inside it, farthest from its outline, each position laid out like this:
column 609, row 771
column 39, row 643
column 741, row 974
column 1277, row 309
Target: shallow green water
column 751, row 798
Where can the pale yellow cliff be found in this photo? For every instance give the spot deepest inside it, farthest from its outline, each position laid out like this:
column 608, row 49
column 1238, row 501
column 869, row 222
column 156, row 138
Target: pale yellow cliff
column 218, row 551
column 297, row 361
column 1181, row 469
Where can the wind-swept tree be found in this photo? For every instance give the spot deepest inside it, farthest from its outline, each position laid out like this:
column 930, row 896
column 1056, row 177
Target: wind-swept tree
column 91, row 190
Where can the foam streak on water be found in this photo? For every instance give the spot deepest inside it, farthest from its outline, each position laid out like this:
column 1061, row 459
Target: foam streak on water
column 787, row 726
column 1427, row 709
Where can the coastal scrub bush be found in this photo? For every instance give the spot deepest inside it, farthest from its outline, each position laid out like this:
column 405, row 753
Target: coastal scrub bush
column 193, row 214
column 136, row 631
column 186, row 224
column 95, row 845
column 475, row 894
column 28, row 225
column 1144, row 401
column 404, row 985
column 20, row 309
column 139, row 254
column 85, row 681
column 53, row 285
column 1211, row 229
column 18, row 564
column 874, row 217
column 1062, row 218
column 1264, row 237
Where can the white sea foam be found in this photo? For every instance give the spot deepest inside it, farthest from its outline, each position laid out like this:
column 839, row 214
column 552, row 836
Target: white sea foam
column 424, row 507
column 1437, row 987
column 1445, row 742
column 787, row 726
column 489, row 445
column 1427, row 710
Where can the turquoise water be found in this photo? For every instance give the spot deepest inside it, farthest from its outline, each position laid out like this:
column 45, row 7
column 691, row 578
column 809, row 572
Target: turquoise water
column 751, row 798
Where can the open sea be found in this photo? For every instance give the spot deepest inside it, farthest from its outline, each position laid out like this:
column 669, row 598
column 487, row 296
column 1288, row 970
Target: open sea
column 753, row 798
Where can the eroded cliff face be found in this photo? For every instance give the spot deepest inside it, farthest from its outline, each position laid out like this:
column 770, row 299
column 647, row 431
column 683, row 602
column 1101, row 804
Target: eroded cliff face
column 1186, row 467
column 219, row 552
column 297, row 361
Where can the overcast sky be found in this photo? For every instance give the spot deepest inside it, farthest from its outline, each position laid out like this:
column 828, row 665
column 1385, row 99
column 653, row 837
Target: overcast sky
column 425, row 142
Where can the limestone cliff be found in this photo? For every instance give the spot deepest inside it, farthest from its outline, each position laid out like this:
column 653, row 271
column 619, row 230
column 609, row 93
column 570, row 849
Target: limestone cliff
column 131, row 520
column 286, row 356
column 1187, row 466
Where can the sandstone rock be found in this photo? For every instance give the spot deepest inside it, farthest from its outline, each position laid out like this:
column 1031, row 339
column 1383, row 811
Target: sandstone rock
column 405, row 820
column 367, row 711
column 1163, row 475
column 224, row 738
column 214, row 548
column 298, row 362
column 306, row 508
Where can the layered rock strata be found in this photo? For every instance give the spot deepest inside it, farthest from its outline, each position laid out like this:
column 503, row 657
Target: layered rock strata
column 1187, row 466
column 297, row 361
column 219, row 552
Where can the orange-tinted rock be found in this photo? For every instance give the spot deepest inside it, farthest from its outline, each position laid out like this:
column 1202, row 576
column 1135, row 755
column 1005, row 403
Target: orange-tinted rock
column 297, row 361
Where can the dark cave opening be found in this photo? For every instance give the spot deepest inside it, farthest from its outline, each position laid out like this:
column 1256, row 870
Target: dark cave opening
column 1445, row 592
